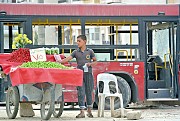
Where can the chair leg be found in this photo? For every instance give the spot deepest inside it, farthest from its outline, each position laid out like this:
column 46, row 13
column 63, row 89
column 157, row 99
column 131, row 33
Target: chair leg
column 102, row 105
column 121, row 104
column 99, row 106
column 112, row 105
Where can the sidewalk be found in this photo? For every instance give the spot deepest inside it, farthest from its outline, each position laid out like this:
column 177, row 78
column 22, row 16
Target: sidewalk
column 162, row 113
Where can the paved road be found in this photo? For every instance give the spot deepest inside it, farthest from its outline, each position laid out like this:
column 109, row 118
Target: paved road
column 160, row 113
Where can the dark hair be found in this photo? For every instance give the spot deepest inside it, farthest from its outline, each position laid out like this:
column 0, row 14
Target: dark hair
column 83, row 37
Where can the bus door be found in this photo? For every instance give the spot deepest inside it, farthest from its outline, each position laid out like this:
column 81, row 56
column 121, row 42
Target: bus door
column 7, row 33
column 162, row 79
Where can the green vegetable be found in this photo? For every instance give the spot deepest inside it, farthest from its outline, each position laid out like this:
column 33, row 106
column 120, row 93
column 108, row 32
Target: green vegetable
column 41, row 64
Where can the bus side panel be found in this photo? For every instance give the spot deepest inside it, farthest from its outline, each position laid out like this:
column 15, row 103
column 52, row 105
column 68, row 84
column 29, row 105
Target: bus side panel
column 134, row 69
column 70, row 93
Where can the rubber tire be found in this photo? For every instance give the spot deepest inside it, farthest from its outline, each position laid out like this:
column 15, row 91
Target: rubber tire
column 124, row 88
column 61, row 108
column 12, row 115
column 51, row 108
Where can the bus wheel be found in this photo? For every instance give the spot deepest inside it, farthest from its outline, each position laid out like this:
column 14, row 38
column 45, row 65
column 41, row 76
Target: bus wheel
column 124, row 88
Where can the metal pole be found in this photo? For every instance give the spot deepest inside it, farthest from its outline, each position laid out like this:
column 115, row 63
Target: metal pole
column 83, row 26
column 70, row 37
column 63, row 38
column 131, row 40
column 1, row 38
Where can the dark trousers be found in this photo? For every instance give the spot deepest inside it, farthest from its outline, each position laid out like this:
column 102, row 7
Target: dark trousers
column 86, row 90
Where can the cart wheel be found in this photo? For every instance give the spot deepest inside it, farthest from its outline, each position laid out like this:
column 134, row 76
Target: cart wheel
column 58, row 107
column 12, row 102
column 47, row 105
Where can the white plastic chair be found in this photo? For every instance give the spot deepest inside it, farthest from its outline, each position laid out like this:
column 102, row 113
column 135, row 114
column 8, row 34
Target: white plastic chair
column 106, row 79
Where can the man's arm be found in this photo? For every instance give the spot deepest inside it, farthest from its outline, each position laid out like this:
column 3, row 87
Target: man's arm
column 66, row 59
column 92, row 63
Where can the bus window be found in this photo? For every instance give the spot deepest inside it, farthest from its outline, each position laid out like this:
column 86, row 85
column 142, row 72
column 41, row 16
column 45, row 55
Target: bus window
column 126, row 54
column 41, row 35
column 9, row 28
column 102, row 56
column 97, row 35
column 161, row 49
column 70, row 34
column 162, row 35
column 126, row 35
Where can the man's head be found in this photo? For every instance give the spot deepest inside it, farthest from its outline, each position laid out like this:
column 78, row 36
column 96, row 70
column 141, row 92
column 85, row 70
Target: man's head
column 83, row 37
column 81, row 40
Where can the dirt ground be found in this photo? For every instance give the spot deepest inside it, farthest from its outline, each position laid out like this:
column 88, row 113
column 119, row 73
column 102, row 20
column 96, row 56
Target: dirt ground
column 149, row 113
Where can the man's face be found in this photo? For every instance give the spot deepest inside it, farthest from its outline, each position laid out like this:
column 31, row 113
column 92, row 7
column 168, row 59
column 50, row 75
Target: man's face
column 80, row 42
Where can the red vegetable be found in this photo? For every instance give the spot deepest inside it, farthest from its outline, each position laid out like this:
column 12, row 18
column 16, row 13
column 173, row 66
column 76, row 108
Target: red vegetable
column 20, row 55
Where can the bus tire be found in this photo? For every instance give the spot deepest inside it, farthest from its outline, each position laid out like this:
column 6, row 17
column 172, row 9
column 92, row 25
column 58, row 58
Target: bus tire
column 124, row 88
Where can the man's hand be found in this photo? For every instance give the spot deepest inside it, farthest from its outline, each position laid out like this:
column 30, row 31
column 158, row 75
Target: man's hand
column 88, row 64
column 59, row 61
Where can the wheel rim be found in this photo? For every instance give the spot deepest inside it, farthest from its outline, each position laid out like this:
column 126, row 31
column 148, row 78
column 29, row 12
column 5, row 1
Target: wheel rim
column 12, row 102
column 57, row 106
column 47, row 106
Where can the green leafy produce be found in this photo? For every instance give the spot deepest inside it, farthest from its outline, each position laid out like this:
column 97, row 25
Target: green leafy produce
column 52, row 51
column 41, row 64
column 48, row 51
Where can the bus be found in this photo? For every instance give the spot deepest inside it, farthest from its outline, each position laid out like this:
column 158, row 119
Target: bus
column 139, row 44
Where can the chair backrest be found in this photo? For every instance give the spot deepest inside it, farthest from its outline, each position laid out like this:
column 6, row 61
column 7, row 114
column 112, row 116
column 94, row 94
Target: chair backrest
column 106, row 78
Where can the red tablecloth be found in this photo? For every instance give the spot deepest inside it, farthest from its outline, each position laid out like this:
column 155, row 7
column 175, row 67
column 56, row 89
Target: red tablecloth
column 37, row 75
column 6, row 65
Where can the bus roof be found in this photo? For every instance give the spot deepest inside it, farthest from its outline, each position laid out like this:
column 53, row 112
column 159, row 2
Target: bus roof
column 90, row 9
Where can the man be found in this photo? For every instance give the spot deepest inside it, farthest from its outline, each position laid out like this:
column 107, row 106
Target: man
column 85, row 58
